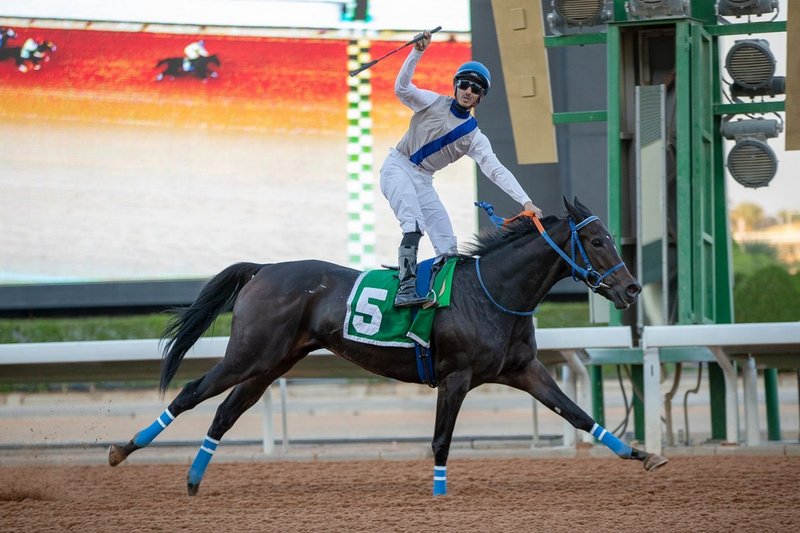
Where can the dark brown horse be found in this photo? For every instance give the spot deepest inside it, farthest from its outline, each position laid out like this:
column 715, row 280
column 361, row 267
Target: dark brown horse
column 36, row 59
column 283, row 311
column 200, row 68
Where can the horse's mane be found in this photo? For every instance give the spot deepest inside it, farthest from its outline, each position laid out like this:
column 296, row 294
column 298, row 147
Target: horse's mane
column 491, row 239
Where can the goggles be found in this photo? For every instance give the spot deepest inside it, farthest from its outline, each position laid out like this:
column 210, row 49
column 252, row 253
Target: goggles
column 465, row 84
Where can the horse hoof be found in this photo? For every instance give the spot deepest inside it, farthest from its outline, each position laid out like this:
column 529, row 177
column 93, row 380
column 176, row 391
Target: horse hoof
column 654, row 461
column 116, row 455
column 192, row 488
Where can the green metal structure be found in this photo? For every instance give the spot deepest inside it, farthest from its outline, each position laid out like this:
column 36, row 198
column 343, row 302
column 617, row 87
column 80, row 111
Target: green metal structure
column 682, row 52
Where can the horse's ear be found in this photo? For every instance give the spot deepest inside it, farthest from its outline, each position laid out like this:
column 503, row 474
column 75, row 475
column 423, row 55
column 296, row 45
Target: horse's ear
column 571, row 211
column 585, row 211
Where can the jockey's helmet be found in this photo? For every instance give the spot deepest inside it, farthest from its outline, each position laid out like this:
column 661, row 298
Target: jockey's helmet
column 474, row 71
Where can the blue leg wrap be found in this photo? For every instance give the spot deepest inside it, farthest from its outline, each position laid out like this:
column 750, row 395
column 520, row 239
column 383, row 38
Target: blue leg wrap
column 201, row 461
column 613, row 443
column 146, row 436
column 439, row 480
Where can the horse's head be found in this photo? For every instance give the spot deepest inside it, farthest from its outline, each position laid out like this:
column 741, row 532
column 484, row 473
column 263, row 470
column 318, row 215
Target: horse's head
column 607, row 274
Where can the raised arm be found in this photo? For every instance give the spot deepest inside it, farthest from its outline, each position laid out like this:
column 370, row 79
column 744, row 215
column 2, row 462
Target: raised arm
column 408, row 93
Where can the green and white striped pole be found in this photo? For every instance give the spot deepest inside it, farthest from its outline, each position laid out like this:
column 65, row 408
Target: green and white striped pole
column 360, row 180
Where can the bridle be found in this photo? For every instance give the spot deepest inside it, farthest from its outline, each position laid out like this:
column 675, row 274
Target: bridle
column 587, row 274
column 591, row 277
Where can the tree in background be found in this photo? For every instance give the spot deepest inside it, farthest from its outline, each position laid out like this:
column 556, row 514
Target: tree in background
column 748, row 217
column 763, row 289
column 788, row 217
column 750, row 258
column 768, row 295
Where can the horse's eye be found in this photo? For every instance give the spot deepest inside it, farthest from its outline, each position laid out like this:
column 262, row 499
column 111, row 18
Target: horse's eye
column 597, row 243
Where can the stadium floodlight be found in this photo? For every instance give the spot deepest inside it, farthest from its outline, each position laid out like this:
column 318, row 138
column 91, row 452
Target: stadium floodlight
column 647, row 9
column 738, row 8
column 573, row 16
column 752, row 66
column 751, row 161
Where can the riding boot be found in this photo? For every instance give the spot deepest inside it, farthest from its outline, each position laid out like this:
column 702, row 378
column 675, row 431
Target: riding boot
column 407, row 272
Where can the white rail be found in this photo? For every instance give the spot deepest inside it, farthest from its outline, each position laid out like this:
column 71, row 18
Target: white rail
column 727, row 342
column 141, row 359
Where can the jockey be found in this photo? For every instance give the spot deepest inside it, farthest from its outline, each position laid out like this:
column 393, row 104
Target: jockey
column 29, row 53
column 192, row 52
column 442, row 130
column 6, row 34
column 29, row 48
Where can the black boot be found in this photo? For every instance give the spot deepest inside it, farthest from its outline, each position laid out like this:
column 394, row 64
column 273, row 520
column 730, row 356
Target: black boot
column 407, row 272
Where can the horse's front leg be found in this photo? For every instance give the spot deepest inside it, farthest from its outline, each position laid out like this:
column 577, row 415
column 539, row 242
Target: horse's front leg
column 452, row 391
column 537, row 381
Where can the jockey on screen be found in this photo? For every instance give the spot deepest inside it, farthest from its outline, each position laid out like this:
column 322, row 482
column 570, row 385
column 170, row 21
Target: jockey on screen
column 29, row 48
column 6, row 34
column 30, row 54
column 192, row 52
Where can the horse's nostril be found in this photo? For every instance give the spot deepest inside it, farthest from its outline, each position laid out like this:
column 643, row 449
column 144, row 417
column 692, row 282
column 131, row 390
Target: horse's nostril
column 633, row 289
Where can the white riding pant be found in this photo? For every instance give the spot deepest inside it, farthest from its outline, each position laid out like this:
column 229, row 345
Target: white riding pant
column 415, row 202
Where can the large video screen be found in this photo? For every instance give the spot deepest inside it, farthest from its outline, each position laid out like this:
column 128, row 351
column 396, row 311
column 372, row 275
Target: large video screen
column 112, row 168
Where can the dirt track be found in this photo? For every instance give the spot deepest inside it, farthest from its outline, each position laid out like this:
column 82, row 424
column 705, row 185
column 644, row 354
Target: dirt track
column 742, row 493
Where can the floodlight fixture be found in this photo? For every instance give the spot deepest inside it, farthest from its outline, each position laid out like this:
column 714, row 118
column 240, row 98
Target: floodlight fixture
column 648, row 9
column 738, row 8
column 751, row 64
column 751, row 161
column 573, row 16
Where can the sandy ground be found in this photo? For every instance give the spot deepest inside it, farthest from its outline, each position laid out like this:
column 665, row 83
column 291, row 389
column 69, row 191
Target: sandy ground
column 754, row 493
column 359, row 459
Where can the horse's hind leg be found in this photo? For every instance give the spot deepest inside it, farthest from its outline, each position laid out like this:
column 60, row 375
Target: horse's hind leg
column 241, row 398
column 215, row 381
column 536, row 380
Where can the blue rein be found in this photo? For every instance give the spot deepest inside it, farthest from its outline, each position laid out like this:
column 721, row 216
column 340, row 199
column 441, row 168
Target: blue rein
column 486, row 291
column 591, row 277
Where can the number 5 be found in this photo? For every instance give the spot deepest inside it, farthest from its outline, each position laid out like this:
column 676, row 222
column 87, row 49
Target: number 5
column 364, row 307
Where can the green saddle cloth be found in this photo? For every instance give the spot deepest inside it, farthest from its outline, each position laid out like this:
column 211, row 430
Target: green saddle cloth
column 372, row 318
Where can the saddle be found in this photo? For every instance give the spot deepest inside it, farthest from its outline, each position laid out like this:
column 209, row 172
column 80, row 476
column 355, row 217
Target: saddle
column 372, row 318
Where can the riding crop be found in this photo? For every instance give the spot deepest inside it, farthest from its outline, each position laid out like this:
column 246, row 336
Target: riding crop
column 365, row 66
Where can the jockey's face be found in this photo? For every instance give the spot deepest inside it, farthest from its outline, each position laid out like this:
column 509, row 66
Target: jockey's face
column 468, row 93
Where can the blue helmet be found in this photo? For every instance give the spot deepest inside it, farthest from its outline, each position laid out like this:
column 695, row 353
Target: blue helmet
column 476, row 71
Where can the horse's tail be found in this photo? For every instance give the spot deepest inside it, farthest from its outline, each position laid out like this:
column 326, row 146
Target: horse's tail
column 189, row 323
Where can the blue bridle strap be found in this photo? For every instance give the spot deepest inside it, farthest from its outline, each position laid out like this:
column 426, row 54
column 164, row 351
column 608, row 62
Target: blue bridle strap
column 588, row 275
column 591, row 277
column 488, row 295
